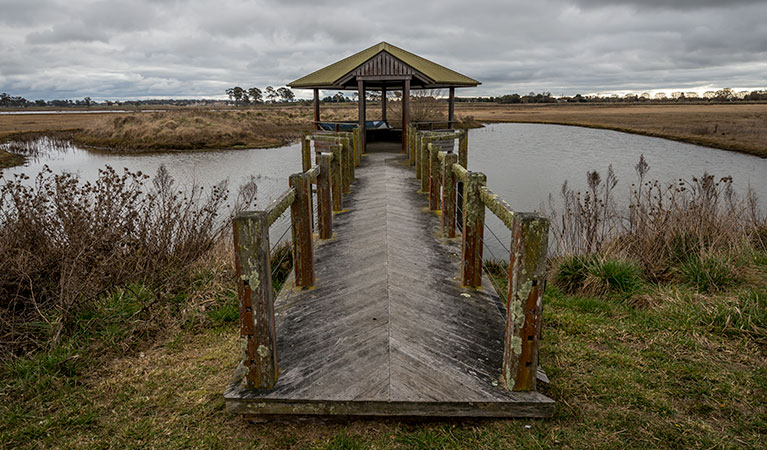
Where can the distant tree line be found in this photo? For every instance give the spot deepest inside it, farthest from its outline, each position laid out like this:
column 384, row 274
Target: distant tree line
column 9, row 101
column 721, row 95
column 255, row 95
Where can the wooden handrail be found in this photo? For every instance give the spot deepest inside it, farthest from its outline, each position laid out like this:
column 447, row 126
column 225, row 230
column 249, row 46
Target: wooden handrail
column 279, row 205
column 497, row 206
column 460, row 171
column 313, row 173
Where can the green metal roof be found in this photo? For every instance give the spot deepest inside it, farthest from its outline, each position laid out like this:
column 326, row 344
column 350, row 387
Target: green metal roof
column 328, row 76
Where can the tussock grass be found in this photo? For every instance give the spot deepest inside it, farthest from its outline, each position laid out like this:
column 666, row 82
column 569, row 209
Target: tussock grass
column 194, row 129
column 697, row 232
column 10, row 159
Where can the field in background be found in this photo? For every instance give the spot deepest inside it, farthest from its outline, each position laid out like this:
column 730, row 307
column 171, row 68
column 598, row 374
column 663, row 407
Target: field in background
column 739, row 127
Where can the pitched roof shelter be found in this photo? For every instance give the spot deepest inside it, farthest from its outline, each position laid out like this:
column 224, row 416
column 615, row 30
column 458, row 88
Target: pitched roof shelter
column 381, row 67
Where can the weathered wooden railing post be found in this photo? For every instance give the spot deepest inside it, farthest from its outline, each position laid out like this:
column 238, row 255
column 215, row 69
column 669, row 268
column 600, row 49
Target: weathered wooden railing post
column 524, row 304
column 463, row 149
column 424, row 156
column 473, row 230
column 345, row 170
column 434, row 177
column 324, row 202
column 306, row 148
column 416, row 157
column 301, row 224
column 356, row 143
column 254, row 289
column 448, row 195
column 352, row 159
column 336, row 175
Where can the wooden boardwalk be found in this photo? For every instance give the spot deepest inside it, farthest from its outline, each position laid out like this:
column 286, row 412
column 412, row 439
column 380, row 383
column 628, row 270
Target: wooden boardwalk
column 387, row 329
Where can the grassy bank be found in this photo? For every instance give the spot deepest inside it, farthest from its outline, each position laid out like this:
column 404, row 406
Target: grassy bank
column 737, row 127
column 636, row 360
column 195, row 129
column 10, row 159
column 677, row 372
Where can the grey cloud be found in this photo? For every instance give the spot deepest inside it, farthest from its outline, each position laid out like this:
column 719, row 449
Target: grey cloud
column 69, row 32
column 669, row 4
column 134, row 48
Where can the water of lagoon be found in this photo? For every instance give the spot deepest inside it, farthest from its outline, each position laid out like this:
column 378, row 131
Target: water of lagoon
column 524, row 163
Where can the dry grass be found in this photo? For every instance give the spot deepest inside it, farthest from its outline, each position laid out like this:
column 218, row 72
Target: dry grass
column 69, row 248
column 195, row 129
column 10, row 159
column 740, row 127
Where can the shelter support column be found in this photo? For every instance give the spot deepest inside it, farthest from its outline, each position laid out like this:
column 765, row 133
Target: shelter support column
column 405, row 111
column 451, row 109
column 316, row 109
column 383, row 103
column 361, row 98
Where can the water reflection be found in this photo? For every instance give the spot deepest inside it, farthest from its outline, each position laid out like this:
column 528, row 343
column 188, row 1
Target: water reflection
column 524, row 163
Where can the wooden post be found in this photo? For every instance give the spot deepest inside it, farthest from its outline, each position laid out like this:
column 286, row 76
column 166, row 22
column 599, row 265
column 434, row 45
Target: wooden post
column 473, row 231
column 451, row 108
column 448, row 195
column 316, row 109
column 254, row 289
column 463, row 153
column 383, row 103
column 301, row 225
column 524, row 304
column 355, row 139
column 434, row 174
column 336, row 174
column 361, row 113
column 416, row 158
column 350, row 158
column 405, row 111
column 424, row 164
column 324, row 201
column 306, row 149
column 345, row 170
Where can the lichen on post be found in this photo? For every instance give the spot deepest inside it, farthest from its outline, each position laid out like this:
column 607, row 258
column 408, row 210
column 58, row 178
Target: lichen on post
column 424, row 164
column 324, row 201
column 416, row 161
column 336, row 175
column 448, row 195
column 301, row 225
column 463, row 148
column 473, row 231
column 524, row 303
column 306, row 158
column 254, row 290
column 434, row 177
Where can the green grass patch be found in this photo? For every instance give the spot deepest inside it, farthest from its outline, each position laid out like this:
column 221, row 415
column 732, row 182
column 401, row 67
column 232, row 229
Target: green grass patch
column 709, row 273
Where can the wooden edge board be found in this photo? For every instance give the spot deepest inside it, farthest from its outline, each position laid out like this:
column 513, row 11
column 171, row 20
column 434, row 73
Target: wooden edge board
column 526, row 404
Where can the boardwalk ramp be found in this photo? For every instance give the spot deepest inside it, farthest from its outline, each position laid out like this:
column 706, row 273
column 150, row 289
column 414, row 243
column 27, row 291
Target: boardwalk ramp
column 387, row 330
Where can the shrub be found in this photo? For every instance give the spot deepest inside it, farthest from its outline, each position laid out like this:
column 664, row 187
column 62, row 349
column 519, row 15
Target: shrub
column 708, row 273
column 612, row 276
column 747, row 314
column 69, row 247
column 571, row 272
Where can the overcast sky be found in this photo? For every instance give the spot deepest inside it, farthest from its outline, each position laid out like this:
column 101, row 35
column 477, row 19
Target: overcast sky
column 197, row 48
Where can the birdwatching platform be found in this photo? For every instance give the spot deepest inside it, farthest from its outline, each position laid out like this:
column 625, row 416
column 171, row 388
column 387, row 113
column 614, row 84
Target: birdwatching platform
column 386, row 329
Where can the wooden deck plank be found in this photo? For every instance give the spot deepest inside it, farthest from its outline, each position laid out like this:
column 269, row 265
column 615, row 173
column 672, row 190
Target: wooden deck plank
column 386, row 329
